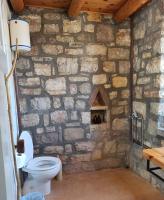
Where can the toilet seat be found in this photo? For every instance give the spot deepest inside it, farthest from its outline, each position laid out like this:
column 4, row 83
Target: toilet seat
column 43, row 163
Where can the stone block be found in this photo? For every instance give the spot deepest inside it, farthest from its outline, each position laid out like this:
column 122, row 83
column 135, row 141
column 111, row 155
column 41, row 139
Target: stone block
column 23, row 64
column 50, row 129
column 72, row 26
column 68, row 102
column 52, row 49
column 64, row 39
column 30, row 120
column 113, row 95
column 89, row 64
column 123, row 37
column 74, row 52
column 117, row 110
column 72, row 134
column 40, row 131
column 96, row 155
column 52, row 16
column 22, row 105
column 40, row 103
column 84, row 146
column 152, row 93
column 67, row 66
column 120, row 124
column 86, row 117
column 119, row 82
column 154, row 66
column 53, row 150
column 139, row 30
column 110, row 147
column 99, row 79
column 152, row 127
column 56, row 86
column 56, row 102
column 46, row 119
column 81, row 157
column 59, row 117
column 123, row 147
column 30, row 91
column 73, row 89
column 138, row 92
column 51, row 28
column 157, row 108
column 140, row 108
column 29, row 81
column 34, row 21
column 124, row 67
column 109, row 67
column 89, row 28
column 146, row 55
column 68, row 148
column 85, row 88
column 125, row 94
column 42, row 69
column 143, row 80
column 73, row 124
column 118, row 53
column 80, row 105
column 78, row 79
column 105, row 33
column 94, row 17
column 96, row 49
column 74, row 115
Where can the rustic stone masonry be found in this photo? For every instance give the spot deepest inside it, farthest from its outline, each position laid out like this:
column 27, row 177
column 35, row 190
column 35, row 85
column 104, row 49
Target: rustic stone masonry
column 149, row 82
column 69, row 58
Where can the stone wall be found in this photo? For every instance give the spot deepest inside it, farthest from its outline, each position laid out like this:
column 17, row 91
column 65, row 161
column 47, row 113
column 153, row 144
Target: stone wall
column 148, row 81
column 55, row 81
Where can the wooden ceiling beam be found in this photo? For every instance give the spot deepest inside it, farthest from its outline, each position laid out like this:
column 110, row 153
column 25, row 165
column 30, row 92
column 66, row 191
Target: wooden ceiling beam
column 130, row 7
column 18, row 5
column 75, row 7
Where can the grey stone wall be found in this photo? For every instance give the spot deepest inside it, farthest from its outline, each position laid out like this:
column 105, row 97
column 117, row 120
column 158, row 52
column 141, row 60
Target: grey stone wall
column 69, row 58
column 148, row 81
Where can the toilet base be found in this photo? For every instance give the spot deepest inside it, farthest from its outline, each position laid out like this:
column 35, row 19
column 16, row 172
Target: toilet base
column 32, row 185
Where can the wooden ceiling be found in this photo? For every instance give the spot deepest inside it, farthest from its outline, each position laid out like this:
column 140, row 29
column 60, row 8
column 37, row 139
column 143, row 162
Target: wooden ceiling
column 120, row 9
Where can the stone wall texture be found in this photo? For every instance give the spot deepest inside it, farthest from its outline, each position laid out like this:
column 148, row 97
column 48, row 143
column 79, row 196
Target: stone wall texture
column 69, row 58
column 148, row 99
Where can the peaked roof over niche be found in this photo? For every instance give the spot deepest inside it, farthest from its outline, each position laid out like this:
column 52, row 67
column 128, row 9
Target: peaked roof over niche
column 120, row 9
column 99, row 97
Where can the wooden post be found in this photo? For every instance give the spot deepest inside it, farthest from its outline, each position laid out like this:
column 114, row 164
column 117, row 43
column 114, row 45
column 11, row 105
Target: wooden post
column 75, row 7
column 130, row 7
column 18, row 5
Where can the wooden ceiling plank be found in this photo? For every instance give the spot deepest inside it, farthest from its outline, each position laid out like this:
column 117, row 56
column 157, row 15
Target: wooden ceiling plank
column 47, row 3
column 130, row 7
column 18, row 5
column 75, row 7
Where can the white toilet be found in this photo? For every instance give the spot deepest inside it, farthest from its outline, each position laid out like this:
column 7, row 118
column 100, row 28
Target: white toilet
column 40, row 169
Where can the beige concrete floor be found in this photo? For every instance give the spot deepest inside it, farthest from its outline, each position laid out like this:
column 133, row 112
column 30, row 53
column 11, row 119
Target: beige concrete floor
column 115, row 184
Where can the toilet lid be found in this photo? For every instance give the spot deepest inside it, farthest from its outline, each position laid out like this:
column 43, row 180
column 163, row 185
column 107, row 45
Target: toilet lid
column 28, row 145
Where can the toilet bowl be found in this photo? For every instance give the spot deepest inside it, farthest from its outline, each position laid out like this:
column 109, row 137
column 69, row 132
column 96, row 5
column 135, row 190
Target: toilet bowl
column 40, row 170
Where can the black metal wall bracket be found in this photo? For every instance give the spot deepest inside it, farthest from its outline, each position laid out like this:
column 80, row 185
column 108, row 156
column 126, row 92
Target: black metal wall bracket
column 152, row 169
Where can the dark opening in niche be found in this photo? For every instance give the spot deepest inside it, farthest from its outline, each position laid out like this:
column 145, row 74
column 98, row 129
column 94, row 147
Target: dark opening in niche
column 98, row 116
